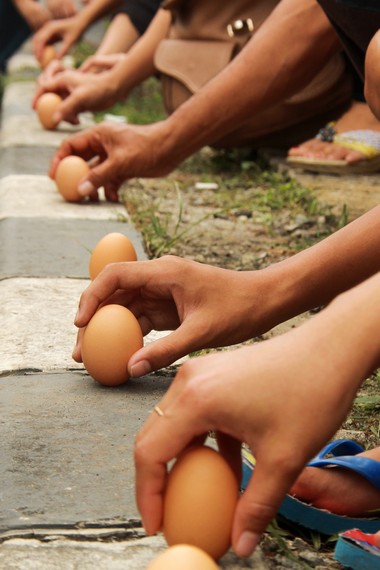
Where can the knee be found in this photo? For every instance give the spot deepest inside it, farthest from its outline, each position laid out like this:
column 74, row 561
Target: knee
column 372, row 75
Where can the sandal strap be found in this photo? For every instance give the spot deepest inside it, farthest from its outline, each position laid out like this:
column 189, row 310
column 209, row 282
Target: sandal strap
column 365, row 141
column 364, row 466
column 344, row 452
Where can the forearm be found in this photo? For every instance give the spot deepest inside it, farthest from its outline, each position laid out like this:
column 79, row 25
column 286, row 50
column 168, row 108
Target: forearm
column 119, row 37
column 259, row 77
column 316, row 275
column 350, row 324
column 138, row 64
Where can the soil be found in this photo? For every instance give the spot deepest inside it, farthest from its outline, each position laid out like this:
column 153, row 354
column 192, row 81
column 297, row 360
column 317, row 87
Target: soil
column 238, row 219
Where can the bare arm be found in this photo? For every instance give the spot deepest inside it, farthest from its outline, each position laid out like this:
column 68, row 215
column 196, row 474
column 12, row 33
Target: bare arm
column 83, row 93
column 69, row 30
column 259, row 77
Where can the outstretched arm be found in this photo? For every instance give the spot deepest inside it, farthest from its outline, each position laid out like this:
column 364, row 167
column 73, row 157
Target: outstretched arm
column 260, row 76
column 190, row 298
column 69, row 30
column 86, row 92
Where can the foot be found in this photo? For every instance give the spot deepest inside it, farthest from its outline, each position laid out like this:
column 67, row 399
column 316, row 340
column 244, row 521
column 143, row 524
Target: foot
column 338, row 490
column 359, row 116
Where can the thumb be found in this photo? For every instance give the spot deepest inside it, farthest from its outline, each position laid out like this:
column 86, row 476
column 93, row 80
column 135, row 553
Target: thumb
column 69, row 108
column 161, row 353
column 99, row 176
column 259, row 504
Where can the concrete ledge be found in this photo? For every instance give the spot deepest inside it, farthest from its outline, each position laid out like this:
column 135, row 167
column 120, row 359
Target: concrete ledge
column 26, row 130
column 41, row 247
column 37, row 318
column 67, row 447
column 20, row 123
column 36, row 196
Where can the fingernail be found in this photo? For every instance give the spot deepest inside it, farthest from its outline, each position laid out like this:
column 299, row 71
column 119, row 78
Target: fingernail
column 140, row 369
column 85, row 188
column 76, row 316
column 247, row 543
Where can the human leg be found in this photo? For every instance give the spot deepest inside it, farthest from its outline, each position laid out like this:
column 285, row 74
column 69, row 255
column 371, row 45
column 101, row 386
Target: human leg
column 338, row 490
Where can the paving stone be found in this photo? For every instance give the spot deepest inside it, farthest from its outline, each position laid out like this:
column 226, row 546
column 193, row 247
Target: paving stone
column 37, row 330
column 21, row 554
column 19, row 130
column 74, row 555
column 23, row 160
column 40, row 247
column 36, row 196
column 67, row 447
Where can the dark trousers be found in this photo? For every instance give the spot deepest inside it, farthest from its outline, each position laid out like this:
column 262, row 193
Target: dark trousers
column 13, row 31
column 356, row 22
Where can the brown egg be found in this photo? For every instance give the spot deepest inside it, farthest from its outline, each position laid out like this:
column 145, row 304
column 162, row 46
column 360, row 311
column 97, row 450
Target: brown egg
column 69, row 173
column 109, row 340
column 200, row 500
column 49, row 53
column 183, row 557
column 46, row 106
column 112, row 248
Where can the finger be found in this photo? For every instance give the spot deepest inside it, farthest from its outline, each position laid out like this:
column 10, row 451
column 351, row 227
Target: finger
column 259, row 503
column 100, row 176
column 160, row 441
column 230, row 448
column 77, row 352
column 69, row 109
column 164, row 352
column 111, row 192
column 82, row 144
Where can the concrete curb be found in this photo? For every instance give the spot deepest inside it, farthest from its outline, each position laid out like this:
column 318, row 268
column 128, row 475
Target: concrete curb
column 66, row 476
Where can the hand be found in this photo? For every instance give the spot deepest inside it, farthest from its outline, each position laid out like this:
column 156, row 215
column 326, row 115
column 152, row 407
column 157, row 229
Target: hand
column 67, row 31
column 184, row 296
column 61, row 8
column 53, row 68
column 80, row 91
column 123, row 152
column 284, row 397
column 99, row 63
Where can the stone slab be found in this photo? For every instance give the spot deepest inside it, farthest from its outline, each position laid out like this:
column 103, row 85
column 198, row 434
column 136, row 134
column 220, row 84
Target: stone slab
column 21, row 554
column 39, row 247
column 20, row 124
column 22, row 160
column 67, row 447
column 37, row 330
column 19, row 130
column 36, row 196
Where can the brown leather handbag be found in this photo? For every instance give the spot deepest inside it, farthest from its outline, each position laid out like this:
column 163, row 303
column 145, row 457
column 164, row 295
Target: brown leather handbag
column 203, row 38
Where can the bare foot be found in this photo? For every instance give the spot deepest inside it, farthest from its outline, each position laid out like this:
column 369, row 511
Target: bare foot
column 358, row 117
column 338, row 490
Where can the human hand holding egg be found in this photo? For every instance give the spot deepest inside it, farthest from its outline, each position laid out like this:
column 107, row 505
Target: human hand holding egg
column 186, row 297
column 124, row 151
column 280, row 411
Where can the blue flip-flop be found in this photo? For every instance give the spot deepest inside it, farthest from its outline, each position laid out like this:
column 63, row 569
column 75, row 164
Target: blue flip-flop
column 342, row 453
column 356, row 550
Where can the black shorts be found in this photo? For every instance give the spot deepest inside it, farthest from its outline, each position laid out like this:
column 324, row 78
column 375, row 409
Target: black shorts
column 140, row 12
column 356, row 22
